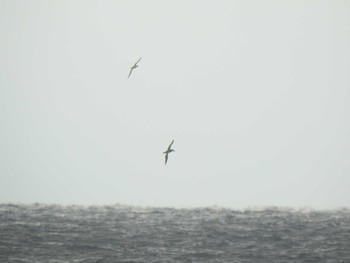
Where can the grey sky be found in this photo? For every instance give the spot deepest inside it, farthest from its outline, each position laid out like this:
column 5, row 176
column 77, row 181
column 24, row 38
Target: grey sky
column 254, row 93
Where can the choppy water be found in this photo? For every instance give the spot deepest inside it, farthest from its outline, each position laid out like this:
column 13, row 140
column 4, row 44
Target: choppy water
column 51, row 233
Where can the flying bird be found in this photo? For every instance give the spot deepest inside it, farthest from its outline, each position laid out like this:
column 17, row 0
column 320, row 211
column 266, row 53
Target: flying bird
column 169, row 150
column 133, row 67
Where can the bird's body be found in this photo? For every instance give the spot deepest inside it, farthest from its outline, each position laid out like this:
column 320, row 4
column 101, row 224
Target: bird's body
column 169, row 150
column 133, row 67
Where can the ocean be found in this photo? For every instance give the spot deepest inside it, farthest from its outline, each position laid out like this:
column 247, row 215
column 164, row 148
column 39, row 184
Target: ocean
column 119, row 233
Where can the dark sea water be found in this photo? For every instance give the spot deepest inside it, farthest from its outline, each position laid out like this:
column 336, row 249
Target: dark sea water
column 52, row 233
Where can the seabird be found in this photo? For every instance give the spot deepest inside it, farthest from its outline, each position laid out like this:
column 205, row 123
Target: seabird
column 169, row 150
column 133, row 67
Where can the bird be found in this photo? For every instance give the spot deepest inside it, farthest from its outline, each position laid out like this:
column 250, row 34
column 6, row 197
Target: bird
column 169, row 150
column 133, row 67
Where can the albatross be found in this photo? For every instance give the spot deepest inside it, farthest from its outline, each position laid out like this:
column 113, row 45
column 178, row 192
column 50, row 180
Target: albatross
column 169, row 150
column 133, row 67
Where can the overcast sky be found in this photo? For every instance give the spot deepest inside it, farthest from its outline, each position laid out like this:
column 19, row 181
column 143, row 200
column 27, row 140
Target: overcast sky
column 256, row 95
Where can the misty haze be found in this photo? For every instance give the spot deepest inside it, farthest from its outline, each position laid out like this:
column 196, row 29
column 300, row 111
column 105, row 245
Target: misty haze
column 174, row 131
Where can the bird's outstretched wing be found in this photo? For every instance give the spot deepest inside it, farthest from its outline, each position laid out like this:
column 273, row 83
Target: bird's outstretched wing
column 130, row 72
column 135, row 65
column 166, row 158
column 170, row 145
